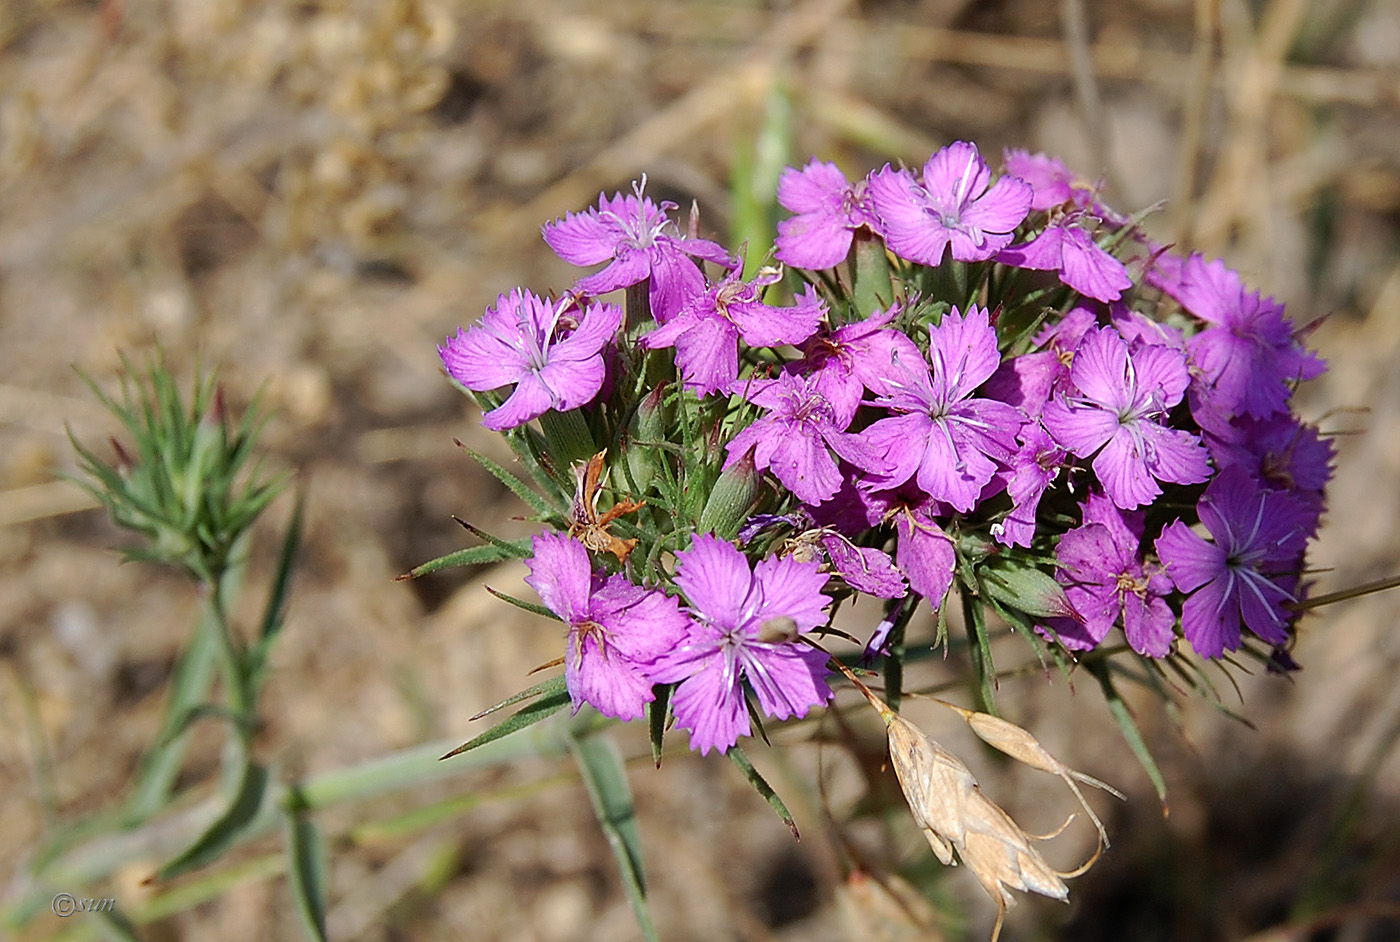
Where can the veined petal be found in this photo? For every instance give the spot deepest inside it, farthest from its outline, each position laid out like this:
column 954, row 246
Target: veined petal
column 711, row 705
column 1156, row 366
column 1100, row 369
column 1148, row 624
column 1191, row 561
column 629, row 268
column 583, row 238
column 813, row 241
column 1122, row 469
column 1080, row 427
column 762, row 325
column 481, row 361
column 925, row 554
column 708, row 355
column 1090, row 270
column 910, row 230
column 675, row 280
column 530, row 400
column 817, row 187
column 1210, row 619
column 1000, row 209
column 561, row 575
column 1174, row 454
column 596, row 329
column 715, row 578
column 790, row 588
column 956, row 174
column 802, row 463
column 789, row 679
column 595, row 674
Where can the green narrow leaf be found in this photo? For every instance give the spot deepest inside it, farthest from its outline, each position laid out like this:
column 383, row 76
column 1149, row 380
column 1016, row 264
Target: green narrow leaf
column 1129, row 728
column 605, row 777
column 533, row 607
column 980, row 651
column 737, row 756
column 189, row 687
column 517, row 487
column 306, row 872
column 544, row 707
column 518, row 548
column 228, row 828
column 656, row 719
column 471, row 556
column 117, row 925
column 274, row 614
column 552, row 685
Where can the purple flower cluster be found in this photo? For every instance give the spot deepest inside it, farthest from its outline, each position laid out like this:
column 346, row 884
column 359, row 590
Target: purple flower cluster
column 1049, row 419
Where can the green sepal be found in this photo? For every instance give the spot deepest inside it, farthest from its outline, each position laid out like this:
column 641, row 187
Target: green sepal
column 1024, row 588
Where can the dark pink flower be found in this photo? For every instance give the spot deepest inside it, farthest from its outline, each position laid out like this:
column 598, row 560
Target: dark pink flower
column 615, row 628
column 743, row 627
column 1068, row 248
column 707, row 330
column 829, row 209
column 550, row 350
column 955, row 204
column 1116, row 412
column 1244, row 575
column 638, row 241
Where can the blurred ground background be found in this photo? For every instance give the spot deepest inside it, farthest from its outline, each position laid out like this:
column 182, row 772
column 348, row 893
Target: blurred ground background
column 309, row 195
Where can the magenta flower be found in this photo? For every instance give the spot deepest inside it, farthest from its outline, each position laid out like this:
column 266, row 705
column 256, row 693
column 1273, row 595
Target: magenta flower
column 1066, row 247
column 953, row 206
column 1259, row 536
column 1053, row 184
column 792, row 440
column 638, row 240
column 855, row 357
column 615, row 628
column 829, row 211
column 1033, row 467
column 552, row 355
column 1249, row 356
column 1280, row 453
column 1030, row 380
column 743, row 627
column 1119, row 404
column 1105, row 578
column 923, row 550
column 950, row 443
column 706, row 332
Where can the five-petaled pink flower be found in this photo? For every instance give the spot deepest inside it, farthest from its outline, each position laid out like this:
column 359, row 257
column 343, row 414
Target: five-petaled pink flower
column 549, row 349
column 955, row 204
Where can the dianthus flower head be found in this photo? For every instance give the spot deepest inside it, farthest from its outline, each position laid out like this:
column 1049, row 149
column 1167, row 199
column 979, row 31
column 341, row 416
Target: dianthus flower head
column 744, row 626
column 852, row 358
column 829, row 210
column 1067, row 247
column 793, row 438
column 1105, row 578
column 955, row 204
column 1116, row 411
column 550, row 349
column 1240, row 578
column 949, row 442
column 707, row 330
column 1249, row 356
column 615, row 628
column 639, row 241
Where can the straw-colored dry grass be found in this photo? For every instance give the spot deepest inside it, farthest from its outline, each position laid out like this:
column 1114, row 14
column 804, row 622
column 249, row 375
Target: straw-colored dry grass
column 309, row 195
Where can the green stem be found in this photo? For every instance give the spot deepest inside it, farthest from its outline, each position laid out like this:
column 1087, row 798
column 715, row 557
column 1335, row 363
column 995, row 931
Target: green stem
column 980, row 650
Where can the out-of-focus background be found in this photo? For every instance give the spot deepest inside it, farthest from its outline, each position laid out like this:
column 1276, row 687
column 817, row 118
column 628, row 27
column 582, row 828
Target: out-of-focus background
column 309, row 195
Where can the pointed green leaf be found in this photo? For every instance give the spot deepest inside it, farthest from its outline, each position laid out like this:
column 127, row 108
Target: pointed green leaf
column 306, row 873
column 543, row 708
column 520, row 549
column 605, row 777
column 1129, row 728
column 552, row 685
column 533, row 607
column 737, row 756
column 228, row 827
column 517, row 487
column 471, row 556
column 656, row 719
